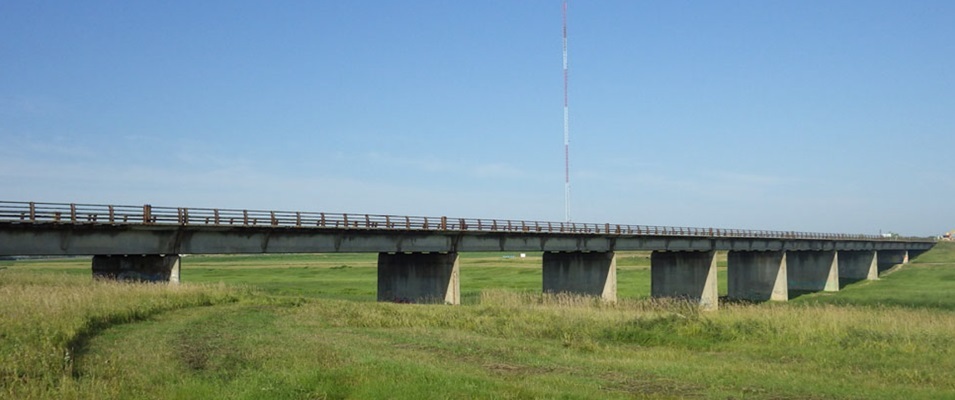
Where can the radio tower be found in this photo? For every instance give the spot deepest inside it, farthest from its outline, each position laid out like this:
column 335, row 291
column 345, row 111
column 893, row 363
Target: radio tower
column 566, row 129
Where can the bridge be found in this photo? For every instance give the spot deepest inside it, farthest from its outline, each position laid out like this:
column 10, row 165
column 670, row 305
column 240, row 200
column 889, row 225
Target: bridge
column 418, row 256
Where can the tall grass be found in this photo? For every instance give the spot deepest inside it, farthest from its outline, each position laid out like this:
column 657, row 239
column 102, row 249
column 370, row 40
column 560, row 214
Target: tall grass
column 58, row 340
column 45, row 318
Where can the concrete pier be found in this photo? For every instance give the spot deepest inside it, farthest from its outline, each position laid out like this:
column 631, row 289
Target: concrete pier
column 813, row 271
column 890, row 258
column 757, row 275
column 685, row 274
column 593, row 273
column 137, row 268
column 419, row 278
column 858, row 265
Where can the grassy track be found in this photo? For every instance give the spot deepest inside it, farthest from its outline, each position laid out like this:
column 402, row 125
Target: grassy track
column 294, row 330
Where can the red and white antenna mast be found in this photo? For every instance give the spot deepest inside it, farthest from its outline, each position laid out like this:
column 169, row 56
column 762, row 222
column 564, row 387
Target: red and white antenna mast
column 566, row 129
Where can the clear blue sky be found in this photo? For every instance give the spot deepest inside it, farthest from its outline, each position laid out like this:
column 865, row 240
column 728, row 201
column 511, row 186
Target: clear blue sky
column 833, row 116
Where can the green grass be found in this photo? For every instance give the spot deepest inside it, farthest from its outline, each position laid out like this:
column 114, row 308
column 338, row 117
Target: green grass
column 306, row 327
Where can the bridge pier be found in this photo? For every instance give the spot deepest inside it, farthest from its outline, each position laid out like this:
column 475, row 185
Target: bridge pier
column 685, row 274
column 890, row 258
column 419, row 277
column 813, row 271
column 593, row 273
column 858, row 265
column 757, row 275
column 137, row 268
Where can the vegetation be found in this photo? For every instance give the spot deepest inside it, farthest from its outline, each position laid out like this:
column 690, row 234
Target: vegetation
column 290, row 327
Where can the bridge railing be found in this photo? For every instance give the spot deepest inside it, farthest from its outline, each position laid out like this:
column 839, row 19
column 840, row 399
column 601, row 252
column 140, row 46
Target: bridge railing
column 78, row 214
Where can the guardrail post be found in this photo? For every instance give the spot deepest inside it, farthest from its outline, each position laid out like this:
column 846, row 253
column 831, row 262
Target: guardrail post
column 425, row 223
column 387, row 222
column 298, row 219
column 275, row 222
column 183, row 216
column 215, row 215
column 345, row 219
column 147, row 213
column 245, row 217
column 322, row 221
column 111, row 215
column 32, row 212
column 367, row 221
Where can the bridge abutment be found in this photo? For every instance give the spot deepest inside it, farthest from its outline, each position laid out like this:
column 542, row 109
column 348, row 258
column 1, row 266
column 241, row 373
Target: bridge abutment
column 685, row 274
column 858, row 265
column 913, row 254
column 813, row 271
column 890, row 258
column 419, row 277
column 757, row 275
column 592, row 274
column 137, row 268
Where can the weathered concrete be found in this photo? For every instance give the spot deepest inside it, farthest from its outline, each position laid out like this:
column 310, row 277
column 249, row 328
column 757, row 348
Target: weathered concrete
column 858, row 265
column 137, row 268
column 685, row 274
column 593, row 274
column 890, row 258
column 419, row 278
column 82, row 239
column 813, row 270
column 757, row 275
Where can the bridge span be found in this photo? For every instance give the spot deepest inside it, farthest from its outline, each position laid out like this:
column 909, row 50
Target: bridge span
column 418, row 256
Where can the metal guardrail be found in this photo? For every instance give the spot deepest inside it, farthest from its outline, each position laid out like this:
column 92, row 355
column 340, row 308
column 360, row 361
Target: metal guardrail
column 85, row 214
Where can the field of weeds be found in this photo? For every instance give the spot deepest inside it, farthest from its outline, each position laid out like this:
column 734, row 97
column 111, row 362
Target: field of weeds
column 66, row 336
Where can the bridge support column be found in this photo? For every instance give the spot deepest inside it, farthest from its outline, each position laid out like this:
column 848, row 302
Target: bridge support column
column 593, row 274
column 685, row 274
column 419, row 277
column 890, row 258
column 137, row 268
column 813, row 271
column 757, row 275
column 858, row 265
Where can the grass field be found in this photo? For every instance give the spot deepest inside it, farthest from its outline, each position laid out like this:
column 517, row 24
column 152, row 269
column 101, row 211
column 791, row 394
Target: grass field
column 307, row 327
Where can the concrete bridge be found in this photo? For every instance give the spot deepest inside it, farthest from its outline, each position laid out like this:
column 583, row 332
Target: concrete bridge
column 418, row 256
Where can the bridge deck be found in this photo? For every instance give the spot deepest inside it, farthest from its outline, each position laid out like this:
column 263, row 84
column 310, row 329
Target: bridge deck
column 28, row 228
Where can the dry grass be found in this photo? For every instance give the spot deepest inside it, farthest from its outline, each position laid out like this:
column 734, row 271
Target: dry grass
column 45, row 319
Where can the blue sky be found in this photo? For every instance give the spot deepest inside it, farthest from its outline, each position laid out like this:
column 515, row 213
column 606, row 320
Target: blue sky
column 832, row 116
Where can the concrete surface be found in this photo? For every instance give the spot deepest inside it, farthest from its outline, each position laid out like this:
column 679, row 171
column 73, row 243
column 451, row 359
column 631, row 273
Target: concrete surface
column 419, row 278
column 593, row 274
column 757, row 275
column 685, row 274
column 813, row 271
